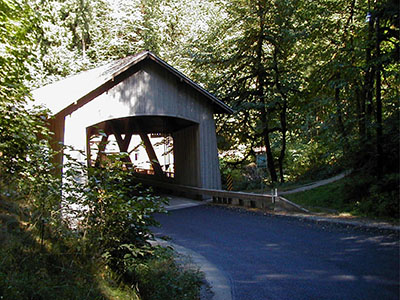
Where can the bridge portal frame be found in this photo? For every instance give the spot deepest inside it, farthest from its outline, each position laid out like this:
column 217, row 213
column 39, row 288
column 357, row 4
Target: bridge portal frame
column 141, row 90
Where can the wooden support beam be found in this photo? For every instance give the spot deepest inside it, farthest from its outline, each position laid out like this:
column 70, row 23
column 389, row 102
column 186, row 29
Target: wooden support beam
column 123, row 143
column 151, row 153
column 102, row 147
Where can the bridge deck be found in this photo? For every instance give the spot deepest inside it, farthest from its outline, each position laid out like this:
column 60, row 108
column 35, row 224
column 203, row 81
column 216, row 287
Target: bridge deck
column 176, row 202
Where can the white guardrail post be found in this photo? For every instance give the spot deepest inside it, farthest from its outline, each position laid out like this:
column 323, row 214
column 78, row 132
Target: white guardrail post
column 274, row 194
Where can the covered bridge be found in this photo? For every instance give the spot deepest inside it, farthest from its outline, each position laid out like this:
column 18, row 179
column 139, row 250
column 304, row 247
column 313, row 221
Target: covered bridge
column 142, row 96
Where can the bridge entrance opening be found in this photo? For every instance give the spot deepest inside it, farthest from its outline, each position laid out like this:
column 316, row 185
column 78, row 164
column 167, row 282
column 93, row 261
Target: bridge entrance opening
column 148, row 142
column 137, row 159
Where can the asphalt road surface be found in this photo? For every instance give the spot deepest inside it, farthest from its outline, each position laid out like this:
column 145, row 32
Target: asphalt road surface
column 276, row 257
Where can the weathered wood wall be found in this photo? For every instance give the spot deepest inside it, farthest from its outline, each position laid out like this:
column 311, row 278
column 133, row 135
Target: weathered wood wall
column 153, row 91
column 187, row 156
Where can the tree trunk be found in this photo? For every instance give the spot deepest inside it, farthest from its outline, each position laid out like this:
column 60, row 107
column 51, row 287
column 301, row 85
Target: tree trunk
column 261, row 94
column 267, row 143
column 369, row 82
column 339, row 116
column 379, row 134
column 282, row 115
column 283, row 148
column 360, row 103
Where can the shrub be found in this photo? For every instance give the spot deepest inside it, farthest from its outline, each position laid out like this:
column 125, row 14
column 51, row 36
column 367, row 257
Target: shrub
column 161, row 278
column 372, row 197
column 115, row 212
column 381, row 198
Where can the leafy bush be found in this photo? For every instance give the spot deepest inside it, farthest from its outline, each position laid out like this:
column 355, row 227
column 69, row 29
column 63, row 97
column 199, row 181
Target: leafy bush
column 114, row 212
column 55, row 257
column 378, row 198
column 245, row 176
column 375, row 188
column 161, row 278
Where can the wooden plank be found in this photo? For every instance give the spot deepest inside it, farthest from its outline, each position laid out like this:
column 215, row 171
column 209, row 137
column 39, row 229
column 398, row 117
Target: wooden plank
column 186, row 156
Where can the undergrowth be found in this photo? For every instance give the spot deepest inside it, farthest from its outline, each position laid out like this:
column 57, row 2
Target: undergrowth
column 53, row 268
column 30, row 269
column 356, row 194
column 161, row 278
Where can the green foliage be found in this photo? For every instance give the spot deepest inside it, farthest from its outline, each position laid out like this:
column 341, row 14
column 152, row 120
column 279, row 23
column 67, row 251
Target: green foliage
column 76, row 35
column 248, row 55
column 18, row 129
column 161, row 278
column 18, row 32
column 115, row 212
column 384, row 198
column 25, row 155
column 110, row 215
column 312, row 161
column 375, row 198
column 249, row 178
column 51, row 268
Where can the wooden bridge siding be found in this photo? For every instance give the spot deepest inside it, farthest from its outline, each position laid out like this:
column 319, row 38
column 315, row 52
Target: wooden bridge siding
column 186, row 155
column 211, row 178
column 151, row 91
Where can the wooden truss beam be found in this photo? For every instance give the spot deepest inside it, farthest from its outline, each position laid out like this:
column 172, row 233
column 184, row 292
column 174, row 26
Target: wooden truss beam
column 123, row 143
column 152, row 154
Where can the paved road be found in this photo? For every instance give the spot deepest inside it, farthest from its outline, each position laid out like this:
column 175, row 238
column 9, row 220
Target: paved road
column 276, row 257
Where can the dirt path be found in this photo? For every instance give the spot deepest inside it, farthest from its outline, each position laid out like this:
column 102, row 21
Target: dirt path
column 316, row 184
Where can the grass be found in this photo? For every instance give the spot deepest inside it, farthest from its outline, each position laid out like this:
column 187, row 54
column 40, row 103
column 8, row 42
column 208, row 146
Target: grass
column 326, row 198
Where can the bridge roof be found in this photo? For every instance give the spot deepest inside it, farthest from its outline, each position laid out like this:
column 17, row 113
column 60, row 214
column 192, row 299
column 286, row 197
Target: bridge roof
column 67, row 92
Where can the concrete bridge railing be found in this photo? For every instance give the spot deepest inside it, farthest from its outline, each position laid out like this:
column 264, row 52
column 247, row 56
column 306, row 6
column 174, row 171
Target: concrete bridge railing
column 249, row 200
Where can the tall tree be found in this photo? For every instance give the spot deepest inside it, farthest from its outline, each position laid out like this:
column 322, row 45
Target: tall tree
column 251, row 50
column 21, row 147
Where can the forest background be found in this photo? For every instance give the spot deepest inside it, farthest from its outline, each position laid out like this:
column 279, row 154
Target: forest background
column 314, row 84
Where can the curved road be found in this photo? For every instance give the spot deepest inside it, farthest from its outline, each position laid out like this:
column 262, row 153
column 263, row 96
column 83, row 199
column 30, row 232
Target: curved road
column 277, row 257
